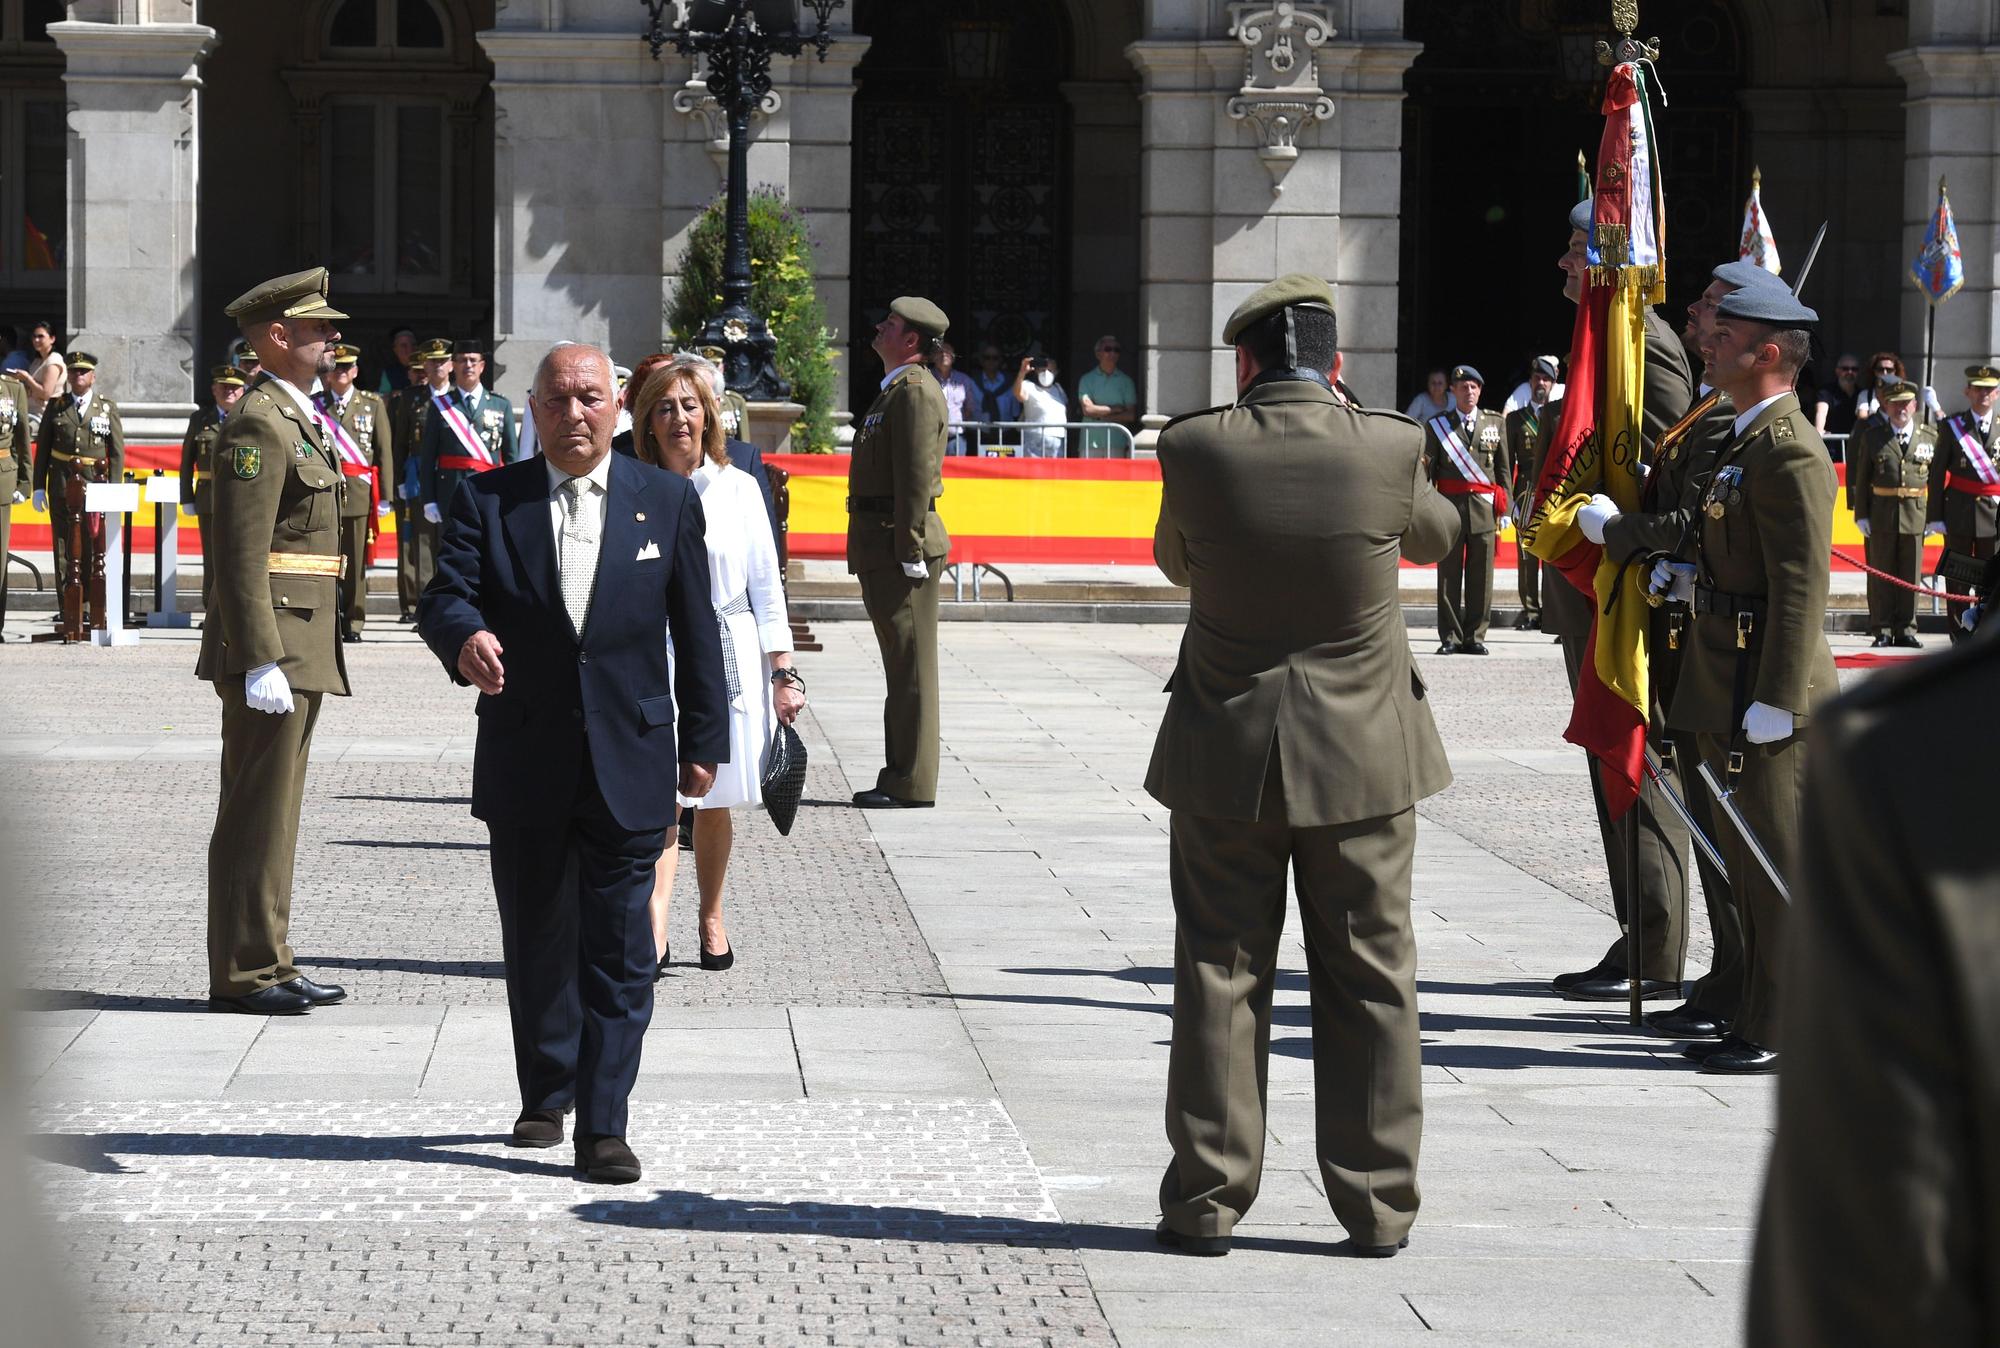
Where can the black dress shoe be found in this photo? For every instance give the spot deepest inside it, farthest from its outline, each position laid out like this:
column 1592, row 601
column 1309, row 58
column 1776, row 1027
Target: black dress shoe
column 538, row 1128
column 1523, row 623
column 666, row 958
column 882, row 800
column 1474, row 648
column 1908, row 639
column 350, row 637
column 715, row 964
column 1208, row 1247
column 606, row 1160
column 1564, row 982
column 1447, row 648
column 1740, row 1057
column 275, row 1000
column 1377, row 1251
column 1618, row 988
column 1696, row 1052
column 319, row 994
column 409, row 616
column 1881, row 639
column 1686, row 1022
column 685, row 833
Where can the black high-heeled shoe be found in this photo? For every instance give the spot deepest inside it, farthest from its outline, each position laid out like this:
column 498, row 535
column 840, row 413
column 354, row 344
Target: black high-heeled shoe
column 715, row 964
column 666, row 958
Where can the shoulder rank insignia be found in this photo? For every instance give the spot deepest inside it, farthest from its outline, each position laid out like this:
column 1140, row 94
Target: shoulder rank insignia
column 248, row 459
column 1781, row 429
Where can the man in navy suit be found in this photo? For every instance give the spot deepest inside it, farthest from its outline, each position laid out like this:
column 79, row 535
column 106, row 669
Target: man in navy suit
column 558, row 579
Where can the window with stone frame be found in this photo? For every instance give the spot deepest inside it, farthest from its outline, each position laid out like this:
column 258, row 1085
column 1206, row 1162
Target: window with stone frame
column 388, row 183
column 34, row 148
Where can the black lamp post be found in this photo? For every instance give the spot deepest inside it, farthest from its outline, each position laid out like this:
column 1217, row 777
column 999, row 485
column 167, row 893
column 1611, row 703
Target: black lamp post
column 736, row 40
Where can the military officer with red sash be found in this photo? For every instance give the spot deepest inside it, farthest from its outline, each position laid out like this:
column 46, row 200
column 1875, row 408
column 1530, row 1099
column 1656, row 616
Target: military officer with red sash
column 358, row 429
column 1465, row 454
column 1965, row 481
column 467, row 430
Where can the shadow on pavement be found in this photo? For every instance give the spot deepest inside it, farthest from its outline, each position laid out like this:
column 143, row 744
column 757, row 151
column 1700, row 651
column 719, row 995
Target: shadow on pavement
column 79, row 999
column 413, row 800
column 394, row 964
column 98, row 1153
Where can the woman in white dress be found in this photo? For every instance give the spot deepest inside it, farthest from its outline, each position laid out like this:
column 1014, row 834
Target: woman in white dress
column 677, row 424
column 47, row 377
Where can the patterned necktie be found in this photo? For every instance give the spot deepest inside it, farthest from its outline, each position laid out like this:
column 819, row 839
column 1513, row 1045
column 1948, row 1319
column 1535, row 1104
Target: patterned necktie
column 578, row 558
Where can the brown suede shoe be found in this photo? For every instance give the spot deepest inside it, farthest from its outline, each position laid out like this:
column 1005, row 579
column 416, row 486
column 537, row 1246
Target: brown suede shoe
column 538, row 1128
column 606, row 1160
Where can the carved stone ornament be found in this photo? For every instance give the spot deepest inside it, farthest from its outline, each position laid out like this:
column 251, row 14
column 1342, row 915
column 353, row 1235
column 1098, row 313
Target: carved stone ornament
column 694, row 100
column 1281, row 94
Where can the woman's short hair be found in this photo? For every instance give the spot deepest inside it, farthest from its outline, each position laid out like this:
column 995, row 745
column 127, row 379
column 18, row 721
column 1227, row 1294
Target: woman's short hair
column 695, row 371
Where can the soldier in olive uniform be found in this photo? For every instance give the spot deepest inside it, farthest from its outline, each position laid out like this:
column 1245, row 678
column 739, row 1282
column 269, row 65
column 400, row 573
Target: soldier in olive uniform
column 81, row 435
column 1965, row 477
column 16, row 468
column 1278, row 754
column 271, row 643
column 1878, row 1222
column 1466, row 456
column 359, row 425
column 467, row 431
column 1757, row 660
column 1524, row 450
column 1888, row 489
column 409, row 418
column 735, row 415
column 204, row 428
column 896, row 546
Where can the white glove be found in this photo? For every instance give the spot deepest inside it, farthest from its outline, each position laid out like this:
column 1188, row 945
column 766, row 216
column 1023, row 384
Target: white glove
column 18, row 498
column 41, row 501
column 1673, row 580
column 1862, row 525
column 916, row 571
column 382, row 508
column 1766, row 724
column 1934, row 529
column 1596, row 513
column 266, row 688
column 432, row 513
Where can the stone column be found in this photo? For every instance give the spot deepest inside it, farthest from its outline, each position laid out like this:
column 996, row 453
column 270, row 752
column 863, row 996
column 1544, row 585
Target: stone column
column 1952, row 129
column 133, row 82
column 1270, row 142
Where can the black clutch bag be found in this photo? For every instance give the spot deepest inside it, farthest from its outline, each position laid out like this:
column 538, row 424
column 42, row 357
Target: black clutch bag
column 784, row 776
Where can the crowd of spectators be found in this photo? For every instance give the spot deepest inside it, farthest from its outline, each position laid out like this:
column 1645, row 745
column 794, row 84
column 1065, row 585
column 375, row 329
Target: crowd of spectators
column 1028, row 412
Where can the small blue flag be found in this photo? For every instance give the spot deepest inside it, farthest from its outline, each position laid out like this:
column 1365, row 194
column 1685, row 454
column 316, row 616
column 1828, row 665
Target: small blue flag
column 1939, row 269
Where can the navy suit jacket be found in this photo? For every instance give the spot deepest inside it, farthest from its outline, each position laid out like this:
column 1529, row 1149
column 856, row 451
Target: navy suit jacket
column 609, row 689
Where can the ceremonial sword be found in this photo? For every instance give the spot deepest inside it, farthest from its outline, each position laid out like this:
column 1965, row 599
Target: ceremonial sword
column 1655, row 770
column 1744, row 831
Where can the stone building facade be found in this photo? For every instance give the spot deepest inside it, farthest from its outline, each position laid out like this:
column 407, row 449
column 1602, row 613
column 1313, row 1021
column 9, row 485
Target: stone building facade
column 524, row 171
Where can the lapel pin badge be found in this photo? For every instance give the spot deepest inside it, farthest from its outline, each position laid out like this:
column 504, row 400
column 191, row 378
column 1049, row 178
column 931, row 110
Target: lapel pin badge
column 640, row 517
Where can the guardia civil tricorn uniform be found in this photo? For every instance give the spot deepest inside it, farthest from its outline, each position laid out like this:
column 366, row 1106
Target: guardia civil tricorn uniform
column 896, row 546
column 274, row 546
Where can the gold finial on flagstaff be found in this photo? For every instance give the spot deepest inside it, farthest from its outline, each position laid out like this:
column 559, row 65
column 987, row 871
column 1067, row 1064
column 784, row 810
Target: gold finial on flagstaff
column 1756, row 178
column 1625, row 18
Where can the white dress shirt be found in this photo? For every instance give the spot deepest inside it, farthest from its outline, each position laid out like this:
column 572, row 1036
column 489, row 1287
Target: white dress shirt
column 1743, row 419
column 592, row 503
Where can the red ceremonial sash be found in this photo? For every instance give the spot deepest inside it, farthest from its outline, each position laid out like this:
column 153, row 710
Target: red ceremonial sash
column 1476, row 482
column 352, row 461
column 1975, row 454
column 1969, row 487
column 479, row 457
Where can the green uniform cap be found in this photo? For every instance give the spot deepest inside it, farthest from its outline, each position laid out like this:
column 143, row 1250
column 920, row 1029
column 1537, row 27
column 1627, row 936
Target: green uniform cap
column 437, row 348
column 81, row 360
column 1982, row 376
column 226, row 374
column 920, row 314
column 299, row 295
column 1898, row 391
column 346, row 355
column 1287, row 291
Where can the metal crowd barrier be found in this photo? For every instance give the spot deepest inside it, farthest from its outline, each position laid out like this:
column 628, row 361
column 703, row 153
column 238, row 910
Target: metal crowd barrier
column 1033, row 439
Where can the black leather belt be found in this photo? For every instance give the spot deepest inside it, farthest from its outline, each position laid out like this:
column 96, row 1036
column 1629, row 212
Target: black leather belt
column 879, row 505
column 1722, row 604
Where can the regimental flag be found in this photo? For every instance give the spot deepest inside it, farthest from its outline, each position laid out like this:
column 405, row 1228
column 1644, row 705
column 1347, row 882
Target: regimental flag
column 1758, row 245
column 1596, row 445
column 1939, row 269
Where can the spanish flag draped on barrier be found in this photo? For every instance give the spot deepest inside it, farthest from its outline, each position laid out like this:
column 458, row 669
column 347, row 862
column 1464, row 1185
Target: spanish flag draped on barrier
column 1597, row 443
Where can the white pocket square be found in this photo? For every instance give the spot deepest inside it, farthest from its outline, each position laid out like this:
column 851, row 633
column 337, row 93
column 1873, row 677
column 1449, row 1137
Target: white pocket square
column 649, row 553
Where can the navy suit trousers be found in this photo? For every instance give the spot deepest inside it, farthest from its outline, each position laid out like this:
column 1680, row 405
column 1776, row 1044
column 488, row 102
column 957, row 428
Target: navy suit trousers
column 579, row 951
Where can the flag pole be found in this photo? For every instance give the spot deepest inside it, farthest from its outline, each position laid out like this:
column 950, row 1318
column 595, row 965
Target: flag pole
column 1930, row 339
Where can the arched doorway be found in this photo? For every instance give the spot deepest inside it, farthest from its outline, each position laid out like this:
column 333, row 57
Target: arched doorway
column 1503, row 96
column 961, row 149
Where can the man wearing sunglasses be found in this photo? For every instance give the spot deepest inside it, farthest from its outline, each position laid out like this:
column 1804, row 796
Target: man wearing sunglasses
column 1108, row 395
column 1833, row 413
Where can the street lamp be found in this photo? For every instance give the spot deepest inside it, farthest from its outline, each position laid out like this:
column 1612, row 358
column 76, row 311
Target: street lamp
column 735, row 40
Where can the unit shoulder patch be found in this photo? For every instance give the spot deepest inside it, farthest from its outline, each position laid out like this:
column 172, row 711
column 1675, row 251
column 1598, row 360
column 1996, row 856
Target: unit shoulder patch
column 247, row 460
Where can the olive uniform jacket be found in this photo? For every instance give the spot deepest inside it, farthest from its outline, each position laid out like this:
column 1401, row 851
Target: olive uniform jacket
column 1879, row 1206
column 1902, row 472
column 896, row 475
column 276, row 491
column 67, row 434
column 17, row 470
column 204, row 428
column 1525, row 428
column 1286, row 515
column 1964, row 516
column 1766, row 529
column 1680, row 468
column 366, row 418
column 1488, row 446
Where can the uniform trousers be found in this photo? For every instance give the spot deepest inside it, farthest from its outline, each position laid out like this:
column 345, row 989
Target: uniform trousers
column 416, row 553
column 572, row 890
column 6, row 530
column 202, row 517
column 354, row 584
column 1891, row 608
column 1719, row 992
column 1970, row 547
column 905, row 615
column 1353, row 881
column 1465, row 581
column 59, row 521
column 251, row 852
column 1767, row 795
column 1528, row 583
column 1663, row 840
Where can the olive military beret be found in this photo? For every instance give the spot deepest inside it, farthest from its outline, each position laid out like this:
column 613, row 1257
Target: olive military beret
column 1982, row 376
column 346, row 355
column 1579, row 214
column 921, row 314
column 1773, row 304
column 437, row 348
column 1743, row 272
column 299, row 295
column 1898, row 391
column 81, row 360
column 226, row 374
column 1459, row 372
column 1546, row 366
column 1289, row 290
